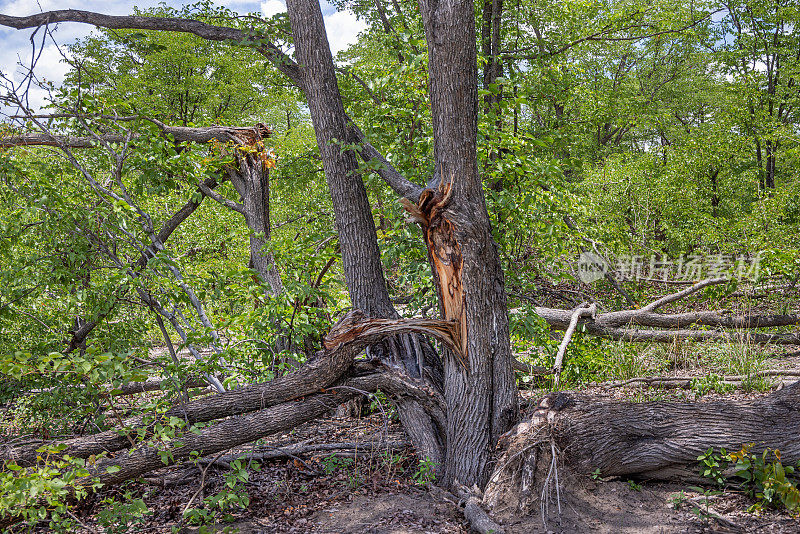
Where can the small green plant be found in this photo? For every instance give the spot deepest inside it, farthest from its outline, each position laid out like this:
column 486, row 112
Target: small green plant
column 425, row 474
column 766, row 479
column 712, row 465
column 634, row 486
column 701, row 513
column 596, row 475
column 710, row 383
column 677, row 500
column 119, row 516
column 763, row 476
column 332, row 464
column 233, row 496
column 346, row 466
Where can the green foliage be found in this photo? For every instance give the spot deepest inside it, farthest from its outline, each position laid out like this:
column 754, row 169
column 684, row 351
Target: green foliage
column 712, row 465
column 44, row 492
column 587, row 358
column 123, row 515
column 766, row 478
column 763, row 476
column 711, row 383
column 233, row 496
column 425, row 473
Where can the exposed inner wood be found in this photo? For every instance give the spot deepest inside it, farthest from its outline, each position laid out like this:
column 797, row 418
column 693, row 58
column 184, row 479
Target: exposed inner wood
column 444, row 255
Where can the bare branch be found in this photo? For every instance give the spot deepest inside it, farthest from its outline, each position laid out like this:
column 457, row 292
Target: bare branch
column 684, row 293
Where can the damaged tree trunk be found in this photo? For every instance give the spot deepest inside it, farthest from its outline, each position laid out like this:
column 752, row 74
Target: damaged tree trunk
column 355, row 226
column 650, row 440
column 253, row 412
column 251, row 180
column 480, row 388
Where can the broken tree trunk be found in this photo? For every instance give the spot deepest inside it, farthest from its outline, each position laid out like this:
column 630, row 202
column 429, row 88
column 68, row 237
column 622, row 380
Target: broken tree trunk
column 253, row 412
column 346, row 339
column 651, row 440
column 480, row 387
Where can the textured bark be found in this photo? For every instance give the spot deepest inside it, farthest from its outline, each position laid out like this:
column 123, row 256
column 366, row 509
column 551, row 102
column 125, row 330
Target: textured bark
column 481, row 392
column 651, row 440
column 229, row 433
column 354, row 222
column 625, row 325
column 251, row 180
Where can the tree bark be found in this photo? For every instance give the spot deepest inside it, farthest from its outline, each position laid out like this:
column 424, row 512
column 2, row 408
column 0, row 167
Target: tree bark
column 479, row 384
column 355, row 226
column 251, row 180
column 651, row 440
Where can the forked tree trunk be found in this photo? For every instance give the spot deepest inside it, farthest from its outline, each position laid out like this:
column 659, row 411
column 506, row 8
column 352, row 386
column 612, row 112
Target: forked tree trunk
column 650, row 440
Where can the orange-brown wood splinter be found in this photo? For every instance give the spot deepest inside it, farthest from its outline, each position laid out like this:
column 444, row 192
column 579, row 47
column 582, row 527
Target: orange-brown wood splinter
column 444, row 254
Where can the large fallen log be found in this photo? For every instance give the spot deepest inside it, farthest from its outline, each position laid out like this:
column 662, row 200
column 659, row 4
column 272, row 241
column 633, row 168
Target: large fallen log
column 344, row 342
column 651, row 440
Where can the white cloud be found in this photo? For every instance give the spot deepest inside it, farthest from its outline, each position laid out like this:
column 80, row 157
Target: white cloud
column 343, row 28
column 272, row 7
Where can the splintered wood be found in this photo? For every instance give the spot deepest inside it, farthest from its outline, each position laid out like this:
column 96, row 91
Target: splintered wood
column 444, row 254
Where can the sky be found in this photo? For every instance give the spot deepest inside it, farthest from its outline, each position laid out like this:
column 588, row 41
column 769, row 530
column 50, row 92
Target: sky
column 343, row 28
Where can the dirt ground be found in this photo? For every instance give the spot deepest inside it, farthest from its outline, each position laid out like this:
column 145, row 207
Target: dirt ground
column 377, row 493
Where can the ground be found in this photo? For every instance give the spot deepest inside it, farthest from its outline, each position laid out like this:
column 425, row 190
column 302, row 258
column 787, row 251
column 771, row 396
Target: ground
column 381, row 492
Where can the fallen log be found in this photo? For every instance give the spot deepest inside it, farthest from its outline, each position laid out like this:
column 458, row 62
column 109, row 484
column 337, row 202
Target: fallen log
column 625, row 325
column 298, row 449
column 344, row 342
column 686, row 381
column 651, row 440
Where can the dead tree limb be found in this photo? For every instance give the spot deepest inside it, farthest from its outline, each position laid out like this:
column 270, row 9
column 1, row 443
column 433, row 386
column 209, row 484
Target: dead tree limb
column 624, row 325
column 297, row 449
column 222, row 134
column 589, row 311
column 342, row 344
column 686, row 381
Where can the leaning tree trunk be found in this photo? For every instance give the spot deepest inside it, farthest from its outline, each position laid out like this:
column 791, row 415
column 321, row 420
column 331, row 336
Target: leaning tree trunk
column 480, row 389
column 354, row 222
column 651, row 440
